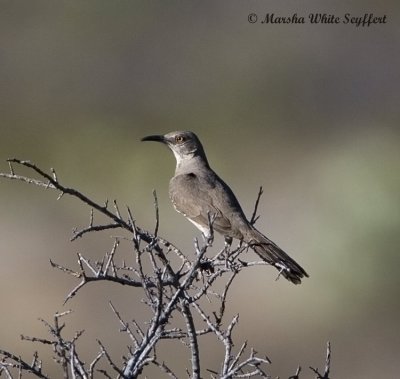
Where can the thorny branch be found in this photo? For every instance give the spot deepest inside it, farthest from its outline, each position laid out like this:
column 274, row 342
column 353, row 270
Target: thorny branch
column 178, row 287
column 327, row 369
column 254, row 216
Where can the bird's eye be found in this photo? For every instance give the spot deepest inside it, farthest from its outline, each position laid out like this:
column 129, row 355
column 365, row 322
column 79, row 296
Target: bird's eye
column 179, row 139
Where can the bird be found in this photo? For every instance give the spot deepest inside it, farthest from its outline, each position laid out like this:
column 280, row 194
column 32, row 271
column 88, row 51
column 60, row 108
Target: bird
column 197, row 192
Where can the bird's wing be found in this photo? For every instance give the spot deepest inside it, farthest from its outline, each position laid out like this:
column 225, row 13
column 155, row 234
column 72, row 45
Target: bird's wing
column 194, row 197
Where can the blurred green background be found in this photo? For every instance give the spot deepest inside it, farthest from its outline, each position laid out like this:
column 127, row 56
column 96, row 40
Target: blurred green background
column 311, row 112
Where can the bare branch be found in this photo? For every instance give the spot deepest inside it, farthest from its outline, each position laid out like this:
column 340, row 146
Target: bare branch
column 157, row 213
column 18, row 362
column 327, row 369
column 169, row 289
column 194, row 347
column 254, row 216
column 125, row 326
column 297, row 374
column 55, row 184
column 94, row 228
column 163, row 367
column 94, row 363
column 110, row 361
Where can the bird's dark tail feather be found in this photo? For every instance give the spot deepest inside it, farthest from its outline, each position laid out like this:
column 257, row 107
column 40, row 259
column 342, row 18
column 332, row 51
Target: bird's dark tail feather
column 273, row 254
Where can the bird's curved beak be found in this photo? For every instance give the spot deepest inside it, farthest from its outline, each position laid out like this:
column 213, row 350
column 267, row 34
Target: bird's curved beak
column 154, row 138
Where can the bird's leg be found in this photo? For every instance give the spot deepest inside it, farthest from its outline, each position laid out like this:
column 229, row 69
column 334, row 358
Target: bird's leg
column 228, row 243
column 227, row 248
column 208, row 236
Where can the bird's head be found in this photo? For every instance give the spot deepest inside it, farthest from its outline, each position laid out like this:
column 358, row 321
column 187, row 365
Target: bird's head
column 184, row 144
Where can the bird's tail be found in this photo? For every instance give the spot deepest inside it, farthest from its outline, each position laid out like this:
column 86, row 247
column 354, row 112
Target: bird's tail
column 273, row 254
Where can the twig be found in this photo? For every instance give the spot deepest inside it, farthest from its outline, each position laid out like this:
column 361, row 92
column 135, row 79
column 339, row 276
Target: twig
column 94, row 228
column 157, row 213
column 254, row 216
column 194, row 347
column 325, row 375
column 18, row 362
column 110, row 361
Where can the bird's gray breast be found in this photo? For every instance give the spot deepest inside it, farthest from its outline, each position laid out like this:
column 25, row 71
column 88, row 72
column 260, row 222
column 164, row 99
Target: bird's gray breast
column 196, row 196
column 190, row 195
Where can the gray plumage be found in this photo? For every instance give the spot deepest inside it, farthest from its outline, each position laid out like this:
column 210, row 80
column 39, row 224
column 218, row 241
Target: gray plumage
column 196, row 191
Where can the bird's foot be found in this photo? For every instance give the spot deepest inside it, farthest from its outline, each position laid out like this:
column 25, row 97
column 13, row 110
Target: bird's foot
column 207, row 265
column 208, row 238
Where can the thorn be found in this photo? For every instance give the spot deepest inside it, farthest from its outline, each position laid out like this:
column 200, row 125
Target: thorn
column 53, row 171
column 11, row 167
